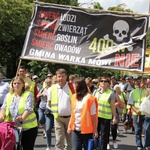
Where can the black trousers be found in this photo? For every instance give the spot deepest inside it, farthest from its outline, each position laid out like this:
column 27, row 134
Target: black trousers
column 28, row 138
column 114, row 131
column 104, row 131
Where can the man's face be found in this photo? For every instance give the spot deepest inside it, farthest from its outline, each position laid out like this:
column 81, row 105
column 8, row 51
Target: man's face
column 88, row 83
column 104, row 82
column 28, row 75
column 35, row 80
column 61, row 79
column 49, row 75
column 22, row 72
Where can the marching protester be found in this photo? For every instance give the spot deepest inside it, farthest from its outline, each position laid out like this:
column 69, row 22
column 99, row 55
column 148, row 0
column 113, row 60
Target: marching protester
column 113, row 82
column 59, row 97
column 18, row 107
column 4, row 89
column 54, row 79
column 83, row 121
column 106, row 110
column 127, row 89
column 22, row 73
column 119, row 109
column 90, row 85
column 50, row 76
column 72, row 79
column 35, row 79
column 34, row 91
column 33, row 88
column 46, row 118
column 136, row 97
column 122, row 83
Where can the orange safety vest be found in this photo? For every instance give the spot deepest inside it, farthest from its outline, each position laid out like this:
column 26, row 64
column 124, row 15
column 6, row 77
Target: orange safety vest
column 86, row 119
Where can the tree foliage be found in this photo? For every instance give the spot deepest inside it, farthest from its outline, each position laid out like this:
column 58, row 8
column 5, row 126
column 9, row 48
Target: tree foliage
column 15, row 16
column 97, row 5
column 120, row 7
column 148, row 38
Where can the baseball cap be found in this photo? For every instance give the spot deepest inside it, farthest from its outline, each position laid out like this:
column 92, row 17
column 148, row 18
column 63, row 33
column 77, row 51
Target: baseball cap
column 129, row 78
column 35, row 77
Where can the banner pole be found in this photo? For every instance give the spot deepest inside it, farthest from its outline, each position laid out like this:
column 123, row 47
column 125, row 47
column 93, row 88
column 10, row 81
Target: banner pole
column 149, row 8
column 18, row 66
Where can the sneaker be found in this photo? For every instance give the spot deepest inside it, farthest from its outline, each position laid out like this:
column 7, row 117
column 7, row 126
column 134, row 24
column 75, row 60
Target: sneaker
column 115, row 145
column 44, row 134
column 147, row 148
column 124, row 131
column 118, row 131
column 48, row 148
column 108, row 146
column 139, row 148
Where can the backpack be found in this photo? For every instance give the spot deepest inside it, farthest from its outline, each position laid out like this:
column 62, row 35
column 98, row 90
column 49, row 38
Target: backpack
column 7, row 136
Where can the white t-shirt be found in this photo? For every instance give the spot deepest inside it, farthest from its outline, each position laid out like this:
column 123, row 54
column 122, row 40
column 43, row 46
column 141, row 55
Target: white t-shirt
column 79, row 106
column 43, row 99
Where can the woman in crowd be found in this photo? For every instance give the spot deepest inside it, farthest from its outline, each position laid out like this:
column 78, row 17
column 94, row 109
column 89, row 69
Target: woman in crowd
column 18, row 107
column 46, row 118
column 119, row 109
column 106, row 110
column 83, row 121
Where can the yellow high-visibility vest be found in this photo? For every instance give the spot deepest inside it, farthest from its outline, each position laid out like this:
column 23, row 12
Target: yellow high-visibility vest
column 30, row 121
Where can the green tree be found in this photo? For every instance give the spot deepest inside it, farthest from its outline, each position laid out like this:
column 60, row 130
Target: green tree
column 15, row 18
column 97, row 5
column 120, row 7
column 63, row 2
column 148, row 38
column 14, row 21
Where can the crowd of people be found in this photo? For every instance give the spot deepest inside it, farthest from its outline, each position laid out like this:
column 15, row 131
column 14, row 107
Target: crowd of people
column 77, row 108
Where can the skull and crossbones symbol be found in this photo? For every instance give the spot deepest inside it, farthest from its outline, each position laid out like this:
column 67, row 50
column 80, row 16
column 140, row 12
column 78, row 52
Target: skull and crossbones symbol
column 120, row 31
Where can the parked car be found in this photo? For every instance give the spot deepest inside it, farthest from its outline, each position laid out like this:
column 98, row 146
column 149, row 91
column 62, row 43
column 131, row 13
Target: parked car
column 6, row 79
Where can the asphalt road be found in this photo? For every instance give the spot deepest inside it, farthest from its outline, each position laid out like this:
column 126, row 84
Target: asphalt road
column 125, row 141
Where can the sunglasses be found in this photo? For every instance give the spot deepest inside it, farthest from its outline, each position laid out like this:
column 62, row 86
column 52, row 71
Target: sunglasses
column 104, row 81
column 49, row 76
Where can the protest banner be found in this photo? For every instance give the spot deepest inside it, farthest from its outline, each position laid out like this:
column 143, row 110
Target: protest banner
column 67, row 35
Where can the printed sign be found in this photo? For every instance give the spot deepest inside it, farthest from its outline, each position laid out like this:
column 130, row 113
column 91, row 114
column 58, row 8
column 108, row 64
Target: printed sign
column 74, row 36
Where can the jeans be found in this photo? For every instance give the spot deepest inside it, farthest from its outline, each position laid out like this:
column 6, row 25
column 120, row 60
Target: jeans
column 49, row 121
column 80, row 139
column 147, row 131
column 138, row 126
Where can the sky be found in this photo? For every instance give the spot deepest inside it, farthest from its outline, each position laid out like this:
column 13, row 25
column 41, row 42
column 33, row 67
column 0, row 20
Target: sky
column 138, row 6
